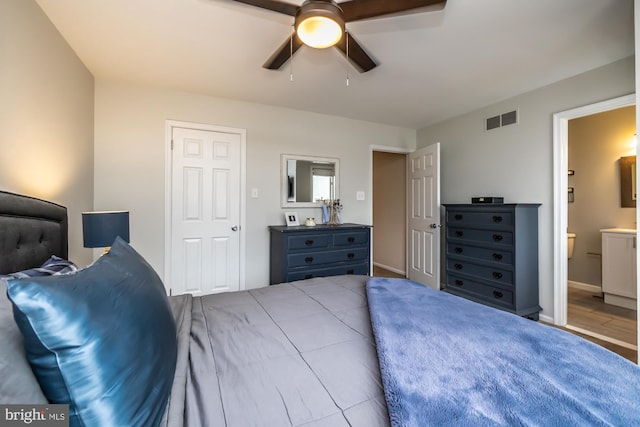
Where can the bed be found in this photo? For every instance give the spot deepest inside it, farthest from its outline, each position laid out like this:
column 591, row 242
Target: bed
column 335, row 351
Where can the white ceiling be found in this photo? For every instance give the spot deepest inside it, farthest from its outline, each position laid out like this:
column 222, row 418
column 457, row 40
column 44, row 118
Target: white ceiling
column 432, row 65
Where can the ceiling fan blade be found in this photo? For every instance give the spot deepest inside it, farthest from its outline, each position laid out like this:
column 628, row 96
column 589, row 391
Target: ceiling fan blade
column 283, row 53
column 355, row 10
column 275, row 5
column 356, row 54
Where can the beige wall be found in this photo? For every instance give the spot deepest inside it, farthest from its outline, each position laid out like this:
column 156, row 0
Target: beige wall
column 46, row 116
column 130, row 160
column 389, row 213
column 596, row 144
column 517, row 161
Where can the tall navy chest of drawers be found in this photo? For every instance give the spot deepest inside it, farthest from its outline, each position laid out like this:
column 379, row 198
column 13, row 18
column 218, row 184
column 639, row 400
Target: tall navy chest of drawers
column 491, row 255
column 299, row 253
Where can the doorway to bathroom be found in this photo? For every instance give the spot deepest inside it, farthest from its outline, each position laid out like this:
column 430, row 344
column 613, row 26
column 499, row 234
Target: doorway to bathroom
column 594, row 142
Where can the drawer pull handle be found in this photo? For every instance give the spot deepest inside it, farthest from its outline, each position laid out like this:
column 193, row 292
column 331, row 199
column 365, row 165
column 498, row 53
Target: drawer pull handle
column 497, row 238
column 459, row 233
column 351, row 239
column 308, row 276
column 458, row 216
column 350, row 255
column 459, row 282
column 458, row 250
column 350, row 271
column 308, row 259
column 458, row 266
column 308, row 242
column 497, row 219
column 497, row 275
column 498, row 294
column 497, row 257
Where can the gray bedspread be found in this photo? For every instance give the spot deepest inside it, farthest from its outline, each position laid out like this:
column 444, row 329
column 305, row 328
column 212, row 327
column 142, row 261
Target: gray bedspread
column 296, row 354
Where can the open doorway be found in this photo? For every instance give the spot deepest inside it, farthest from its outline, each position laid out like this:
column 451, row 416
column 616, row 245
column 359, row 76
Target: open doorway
column 601, row 302
column 388, row 170
column 564, row 182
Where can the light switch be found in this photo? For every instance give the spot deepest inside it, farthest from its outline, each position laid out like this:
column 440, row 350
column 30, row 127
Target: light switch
column 254, row 193
column 359, row 195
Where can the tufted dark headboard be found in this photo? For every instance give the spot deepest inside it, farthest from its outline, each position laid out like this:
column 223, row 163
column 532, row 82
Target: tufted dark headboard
column 31, row 230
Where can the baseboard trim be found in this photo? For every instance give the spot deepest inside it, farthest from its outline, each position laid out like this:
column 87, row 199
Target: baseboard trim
column 392, row 269
column 546, row 319
column 584, row 286
column 603, row 337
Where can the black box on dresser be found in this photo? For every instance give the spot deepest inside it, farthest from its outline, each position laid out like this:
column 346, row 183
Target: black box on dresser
column 301, row 252
column 491, row 255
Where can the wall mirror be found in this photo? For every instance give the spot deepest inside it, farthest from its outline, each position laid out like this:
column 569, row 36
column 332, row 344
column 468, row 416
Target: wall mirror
column 307, row 180
column 628, row 182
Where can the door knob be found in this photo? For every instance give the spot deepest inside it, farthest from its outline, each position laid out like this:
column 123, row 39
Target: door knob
column 434, row 226
column 234, row 228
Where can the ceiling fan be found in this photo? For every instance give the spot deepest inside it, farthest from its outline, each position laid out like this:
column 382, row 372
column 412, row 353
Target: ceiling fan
column 321, row 24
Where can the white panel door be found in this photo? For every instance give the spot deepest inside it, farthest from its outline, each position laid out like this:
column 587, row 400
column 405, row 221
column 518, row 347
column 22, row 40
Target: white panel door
column 205, row 211
column 424, row 216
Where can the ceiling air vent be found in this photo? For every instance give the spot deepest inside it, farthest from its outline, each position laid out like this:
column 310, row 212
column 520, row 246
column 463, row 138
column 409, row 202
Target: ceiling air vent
column 505, row 119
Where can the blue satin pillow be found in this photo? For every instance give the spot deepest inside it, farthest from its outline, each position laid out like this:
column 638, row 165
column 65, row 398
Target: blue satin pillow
column 102, row 340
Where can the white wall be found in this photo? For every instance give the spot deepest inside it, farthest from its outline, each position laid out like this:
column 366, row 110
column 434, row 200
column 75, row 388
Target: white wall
column 130, row 160
column 517, row 161
column 46, row 117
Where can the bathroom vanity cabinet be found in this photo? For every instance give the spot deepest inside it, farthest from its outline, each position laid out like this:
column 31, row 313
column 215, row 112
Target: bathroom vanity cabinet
column 619, row 267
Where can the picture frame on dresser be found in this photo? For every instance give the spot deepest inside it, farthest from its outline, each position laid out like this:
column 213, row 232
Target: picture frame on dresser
column 291, row 219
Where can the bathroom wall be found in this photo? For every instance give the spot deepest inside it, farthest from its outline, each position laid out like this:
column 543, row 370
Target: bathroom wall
column 596, row 144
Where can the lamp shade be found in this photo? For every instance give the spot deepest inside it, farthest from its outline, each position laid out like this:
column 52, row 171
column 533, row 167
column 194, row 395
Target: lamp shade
column 100, row 229
column 319, row 24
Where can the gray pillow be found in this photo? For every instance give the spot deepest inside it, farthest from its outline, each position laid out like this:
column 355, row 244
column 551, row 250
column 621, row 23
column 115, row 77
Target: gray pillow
column 18, row 384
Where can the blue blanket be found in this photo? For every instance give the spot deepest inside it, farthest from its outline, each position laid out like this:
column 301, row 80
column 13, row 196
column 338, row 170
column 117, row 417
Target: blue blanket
column 448, row 361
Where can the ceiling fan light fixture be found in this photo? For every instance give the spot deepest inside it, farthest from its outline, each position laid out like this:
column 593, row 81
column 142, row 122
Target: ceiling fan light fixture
column 319, row 24
column 319, row 32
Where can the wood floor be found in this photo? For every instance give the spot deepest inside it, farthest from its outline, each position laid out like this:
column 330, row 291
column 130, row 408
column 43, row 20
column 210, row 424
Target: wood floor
column 589, row 313
column 381, row 272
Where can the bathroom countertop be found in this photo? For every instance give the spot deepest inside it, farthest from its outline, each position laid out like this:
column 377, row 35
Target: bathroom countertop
column 619, row 230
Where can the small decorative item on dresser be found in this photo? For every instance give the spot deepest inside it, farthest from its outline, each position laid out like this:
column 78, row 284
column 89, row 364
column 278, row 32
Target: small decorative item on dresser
column 310, row 222
column 487, row 199
column 291, row 218
column 332, row 212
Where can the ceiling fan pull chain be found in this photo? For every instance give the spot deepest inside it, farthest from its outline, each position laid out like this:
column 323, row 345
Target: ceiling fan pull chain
column 291, row 57
column 346, row 33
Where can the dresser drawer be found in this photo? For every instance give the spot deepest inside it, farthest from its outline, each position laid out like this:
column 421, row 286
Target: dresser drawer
column 481, row 291
column 480, row 253
column 356, row 237
column 483, row 236
column 358, row 268
column 328, row 257
column 480, row 218
column 499, row 275
column 309, row 241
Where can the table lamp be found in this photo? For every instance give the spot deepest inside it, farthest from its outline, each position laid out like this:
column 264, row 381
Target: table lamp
column 100, row 229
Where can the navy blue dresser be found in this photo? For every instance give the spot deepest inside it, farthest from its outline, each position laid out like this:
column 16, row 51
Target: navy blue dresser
column 491, row 255
column 301, row 252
